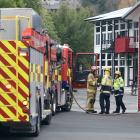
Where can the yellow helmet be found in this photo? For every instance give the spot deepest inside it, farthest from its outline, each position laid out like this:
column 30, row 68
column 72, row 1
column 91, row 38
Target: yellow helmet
column 117, row 72
column 107, row 69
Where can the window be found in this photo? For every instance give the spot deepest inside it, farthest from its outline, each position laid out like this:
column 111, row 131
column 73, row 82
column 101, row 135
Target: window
column 103, row 63
column 135, row 24
column 116, row 27
column 98, row 63
column 129, row 62
column 116, row 62
column 103, row 56
column 123, row 33
column 109, row 22
column 109, row 56
column 104, row 38
column 97, row 39
column 116, row 21
column 110, row 28
column 122, row 26
column 130, row 25
column 103, row 28
column 110, row 38
column 122, row 62
column 97, row 29
column 109, row 63
column 121, row 56
column 103, row 22
column 116, row 56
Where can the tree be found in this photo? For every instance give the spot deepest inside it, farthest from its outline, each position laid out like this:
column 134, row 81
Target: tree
column 72, row 28
column 36, row 5
column 47, row 23
column 103, row 6
column 11, row 3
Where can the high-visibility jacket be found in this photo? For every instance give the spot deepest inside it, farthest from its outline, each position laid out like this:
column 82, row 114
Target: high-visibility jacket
column 121, row 82
column 91, row 83
column 121, row 90
column 106, row 84
column 116, row 85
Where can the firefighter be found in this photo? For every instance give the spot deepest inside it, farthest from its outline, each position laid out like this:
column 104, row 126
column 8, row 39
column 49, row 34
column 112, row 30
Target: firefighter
column 105, row 92
column 91, row 90
column 119, row 92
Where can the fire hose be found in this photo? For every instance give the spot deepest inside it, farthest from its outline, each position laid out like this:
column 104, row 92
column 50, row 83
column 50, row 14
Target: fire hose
column 83, row 109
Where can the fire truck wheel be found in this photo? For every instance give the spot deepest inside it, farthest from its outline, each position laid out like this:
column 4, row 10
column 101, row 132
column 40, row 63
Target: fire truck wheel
column 47, row 120
column 38, row 123
column 53, row 105
column 68, row 105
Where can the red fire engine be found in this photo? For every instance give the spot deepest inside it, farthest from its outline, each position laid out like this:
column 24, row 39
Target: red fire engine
column 35, row 74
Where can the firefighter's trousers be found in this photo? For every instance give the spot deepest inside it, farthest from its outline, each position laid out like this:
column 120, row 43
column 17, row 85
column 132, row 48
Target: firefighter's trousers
column 119, row 103
column 105, row 102
column 91, row 96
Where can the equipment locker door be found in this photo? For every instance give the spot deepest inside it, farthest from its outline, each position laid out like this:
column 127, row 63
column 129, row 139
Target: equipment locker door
column 14, row 81
column 8, row 82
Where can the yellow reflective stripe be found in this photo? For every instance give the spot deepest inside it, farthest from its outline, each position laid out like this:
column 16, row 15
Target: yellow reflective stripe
column 59, row 77
column 36, row 79
column 12, row 76
column 10, row 47
column 7, row 111
column 38, row 69
column 68, row 72
column 41, row 78
column 12, row 62
column 56, row 72
column 90, row 90
column 2, row 118
column 46, row 67
column 20, row 44
column 34, row 68
column 21, row 98
column 106, row 92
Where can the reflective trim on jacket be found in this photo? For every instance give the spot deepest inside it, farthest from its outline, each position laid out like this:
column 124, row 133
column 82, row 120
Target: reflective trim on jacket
column 106, row 84
column 91, row 83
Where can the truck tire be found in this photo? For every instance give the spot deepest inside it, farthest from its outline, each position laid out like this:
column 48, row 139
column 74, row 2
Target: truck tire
column 54, row 104
column 68, row 105
column 38, row 123
column 47, row 120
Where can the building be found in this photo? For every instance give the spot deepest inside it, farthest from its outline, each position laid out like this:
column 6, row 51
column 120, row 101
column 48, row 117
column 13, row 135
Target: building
column 134, row 15
column 116, row 41
column 53, row 5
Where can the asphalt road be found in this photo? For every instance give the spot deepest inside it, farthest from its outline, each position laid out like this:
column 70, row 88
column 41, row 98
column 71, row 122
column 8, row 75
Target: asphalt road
column 82, row 126
column 77, row 125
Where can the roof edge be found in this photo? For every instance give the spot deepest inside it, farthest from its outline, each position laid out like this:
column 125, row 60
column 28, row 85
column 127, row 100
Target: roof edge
column 131, row 10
